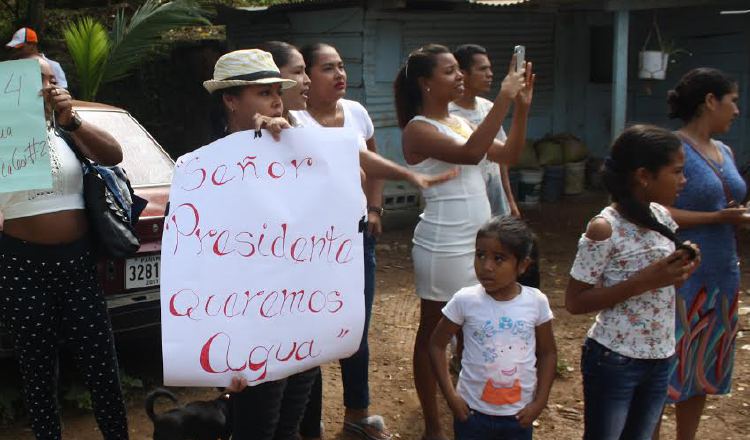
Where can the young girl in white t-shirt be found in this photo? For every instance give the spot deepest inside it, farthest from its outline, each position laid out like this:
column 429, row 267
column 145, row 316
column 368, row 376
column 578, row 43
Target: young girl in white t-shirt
column 509, row 356
column 626, row 269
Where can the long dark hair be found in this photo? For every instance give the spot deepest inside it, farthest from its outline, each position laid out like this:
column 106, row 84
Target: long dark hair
column 408, row 94
column 279, row 50
column 310, row 52
column 639, row 146
column 219, row 113
column 689, row 94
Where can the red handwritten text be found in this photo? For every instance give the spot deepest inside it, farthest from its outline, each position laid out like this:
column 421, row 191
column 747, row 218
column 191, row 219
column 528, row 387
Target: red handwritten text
column 247, row 168
column 185, row 223
column 256, row 359
column 267, row 304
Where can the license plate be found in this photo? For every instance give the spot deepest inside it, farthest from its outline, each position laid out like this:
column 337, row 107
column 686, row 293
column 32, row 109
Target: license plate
column 142, row 272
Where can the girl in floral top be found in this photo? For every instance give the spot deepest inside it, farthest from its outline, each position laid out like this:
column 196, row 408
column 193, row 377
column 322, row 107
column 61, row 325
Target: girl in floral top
column 626, row 269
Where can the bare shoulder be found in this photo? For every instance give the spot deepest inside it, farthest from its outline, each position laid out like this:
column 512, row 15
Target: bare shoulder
column 599, row 229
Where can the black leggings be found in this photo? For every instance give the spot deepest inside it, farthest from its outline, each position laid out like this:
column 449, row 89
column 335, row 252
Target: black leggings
column 48, row 294
column 272, row 410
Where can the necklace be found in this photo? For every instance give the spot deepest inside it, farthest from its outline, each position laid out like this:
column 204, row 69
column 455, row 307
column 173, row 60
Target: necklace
column 455, row 126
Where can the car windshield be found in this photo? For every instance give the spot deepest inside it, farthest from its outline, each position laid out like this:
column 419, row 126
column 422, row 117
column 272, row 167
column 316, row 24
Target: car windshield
column 144, row 160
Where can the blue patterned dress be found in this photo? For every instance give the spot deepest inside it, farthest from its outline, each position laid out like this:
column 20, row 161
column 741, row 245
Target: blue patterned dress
column 707, row 320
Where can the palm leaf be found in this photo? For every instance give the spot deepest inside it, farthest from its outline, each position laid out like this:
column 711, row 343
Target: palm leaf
column 134, row 41
column 89, row 46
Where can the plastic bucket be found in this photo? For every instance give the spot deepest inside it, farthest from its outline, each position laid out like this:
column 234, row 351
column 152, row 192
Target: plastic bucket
column 554, row 183
column 575, row 177
column 530, row 186
column 652, row 64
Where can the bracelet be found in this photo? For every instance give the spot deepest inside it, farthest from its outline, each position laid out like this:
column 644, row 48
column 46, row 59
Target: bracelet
column 376, row 209
column 74, row 124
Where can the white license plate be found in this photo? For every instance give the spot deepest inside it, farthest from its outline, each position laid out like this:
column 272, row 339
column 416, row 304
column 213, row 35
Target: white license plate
column 142, row 271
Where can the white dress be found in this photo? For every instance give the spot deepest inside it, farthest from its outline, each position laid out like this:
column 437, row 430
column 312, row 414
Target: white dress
column 444, row 240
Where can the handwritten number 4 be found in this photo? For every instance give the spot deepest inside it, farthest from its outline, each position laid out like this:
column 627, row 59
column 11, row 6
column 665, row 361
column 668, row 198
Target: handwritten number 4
column 8, row 89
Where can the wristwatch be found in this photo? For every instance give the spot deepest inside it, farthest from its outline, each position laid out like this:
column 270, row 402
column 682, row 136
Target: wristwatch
column 74, row 124
column 376, row 209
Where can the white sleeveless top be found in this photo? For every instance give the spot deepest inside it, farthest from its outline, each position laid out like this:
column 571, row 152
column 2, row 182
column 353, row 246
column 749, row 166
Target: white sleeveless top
column 67, row 185
column 455, row 209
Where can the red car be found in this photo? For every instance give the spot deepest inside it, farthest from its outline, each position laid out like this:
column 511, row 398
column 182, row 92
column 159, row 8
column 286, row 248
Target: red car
column 131, row 286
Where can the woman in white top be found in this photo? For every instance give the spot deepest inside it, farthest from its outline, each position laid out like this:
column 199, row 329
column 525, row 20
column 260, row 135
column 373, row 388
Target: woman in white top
column 326, row 107
column 433, row 140
column 49, row 284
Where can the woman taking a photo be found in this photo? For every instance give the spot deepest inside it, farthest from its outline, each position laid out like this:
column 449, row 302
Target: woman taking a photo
column 707, row 211
column 433, row 141
column 45, row 243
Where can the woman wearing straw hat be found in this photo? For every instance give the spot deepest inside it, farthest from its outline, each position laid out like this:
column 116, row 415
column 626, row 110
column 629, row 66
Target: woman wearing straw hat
column 248, row 85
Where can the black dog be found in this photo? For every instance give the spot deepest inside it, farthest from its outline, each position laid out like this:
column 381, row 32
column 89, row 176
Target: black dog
column 200, row 420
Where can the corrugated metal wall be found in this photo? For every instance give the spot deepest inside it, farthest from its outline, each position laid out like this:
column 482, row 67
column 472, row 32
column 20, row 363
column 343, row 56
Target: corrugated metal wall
column 497, row 29
column 341, row 27
column 720, row 41
column 374, row 43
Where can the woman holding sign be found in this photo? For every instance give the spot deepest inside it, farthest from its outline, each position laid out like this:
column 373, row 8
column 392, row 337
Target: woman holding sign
column 48, row 288
column 248, row 85
column 434, row 140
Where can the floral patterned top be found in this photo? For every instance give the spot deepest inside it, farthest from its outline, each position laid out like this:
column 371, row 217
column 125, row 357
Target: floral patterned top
column 641, row 327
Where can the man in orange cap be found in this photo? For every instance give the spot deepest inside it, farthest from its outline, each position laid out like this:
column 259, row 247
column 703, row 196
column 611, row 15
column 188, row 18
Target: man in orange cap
column 25, row 43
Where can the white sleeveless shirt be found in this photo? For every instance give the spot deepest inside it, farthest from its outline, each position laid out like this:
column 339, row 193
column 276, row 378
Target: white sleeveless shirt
column 67, row 185
column 455, row 209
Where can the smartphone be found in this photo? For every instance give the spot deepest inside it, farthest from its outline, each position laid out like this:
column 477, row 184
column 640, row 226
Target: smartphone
column 520, row 53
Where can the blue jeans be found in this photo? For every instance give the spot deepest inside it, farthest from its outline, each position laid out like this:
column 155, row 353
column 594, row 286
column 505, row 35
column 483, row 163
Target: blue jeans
column 354, row 374
column 485, row 427
column 623, row 396
column 354, row 369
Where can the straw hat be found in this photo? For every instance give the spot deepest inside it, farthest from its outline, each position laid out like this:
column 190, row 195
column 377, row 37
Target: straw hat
column 244, row 68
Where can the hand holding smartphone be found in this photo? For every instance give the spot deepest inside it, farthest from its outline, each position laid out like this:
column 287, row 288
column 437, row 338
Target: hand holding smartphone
column 520, row 53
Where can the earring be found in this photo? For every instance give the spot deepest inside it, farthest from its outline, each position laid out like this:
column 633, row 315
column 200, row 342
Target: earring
column 428, row 90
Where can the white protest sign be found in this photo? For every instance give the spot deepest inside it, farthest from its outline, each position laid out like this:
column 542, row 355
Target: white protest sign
column 262, row 266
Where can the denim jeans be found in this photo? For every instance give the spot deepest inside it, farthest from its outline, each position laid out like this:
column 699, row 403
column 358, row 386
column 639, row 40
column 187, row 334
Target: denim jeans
column 272, row 410
column 623, row 396
column 354, row 374
column 354, row 368
column 485, row 427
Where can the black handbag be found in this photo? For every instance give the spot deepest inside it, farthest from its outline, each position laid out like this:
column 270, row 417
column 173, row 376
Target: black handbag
column 112, row 207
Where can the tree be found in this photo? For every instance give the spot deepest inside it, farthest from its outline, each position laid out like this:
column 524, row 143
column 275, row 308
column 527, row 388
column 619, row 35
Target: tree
column 101, row 57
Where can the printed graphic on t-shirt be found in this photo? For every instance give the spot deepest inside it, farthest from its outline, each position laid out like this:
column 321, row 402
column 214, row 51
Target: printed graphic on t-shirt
column 505, row 344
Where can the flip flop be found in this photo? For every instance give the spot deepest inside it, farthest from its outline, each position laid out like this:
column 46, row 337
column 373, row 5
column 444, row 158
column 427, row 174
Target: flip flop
column 364, row 427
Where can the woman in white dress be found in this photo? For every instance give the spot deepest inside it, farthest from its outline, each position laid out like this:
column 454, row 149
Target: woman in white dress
column 434, row 141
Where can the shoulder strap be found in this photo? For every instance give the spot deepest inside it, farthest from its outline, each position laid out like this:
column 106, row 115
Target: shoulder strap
column 731, row 203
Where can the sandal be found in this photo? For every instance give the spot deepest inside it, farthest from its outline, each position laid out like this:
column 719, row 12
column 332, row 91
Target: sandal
column 368, row 428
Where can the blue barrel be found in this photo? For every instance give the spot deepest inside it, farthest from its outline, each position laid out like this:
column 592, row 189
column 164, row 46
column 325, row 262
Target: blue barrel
column 553, row 184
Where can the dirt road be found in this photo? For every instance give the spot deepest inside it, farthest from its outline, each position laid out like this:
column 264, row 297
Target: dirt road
column 392, row 335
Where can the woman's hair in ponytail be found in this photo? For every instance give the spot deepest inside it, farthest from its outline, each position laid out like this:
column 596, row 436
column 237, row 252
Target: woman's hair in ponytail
column 686, row 99
column 639, row 146
column 408, row 94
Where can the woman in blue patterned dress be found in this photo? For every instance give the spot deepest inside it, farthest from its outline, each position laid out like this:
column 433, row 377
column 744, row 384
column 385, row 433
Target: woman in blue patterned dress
column 707, row 211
